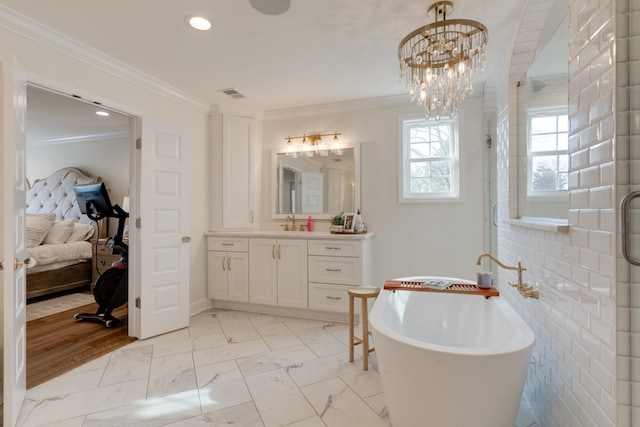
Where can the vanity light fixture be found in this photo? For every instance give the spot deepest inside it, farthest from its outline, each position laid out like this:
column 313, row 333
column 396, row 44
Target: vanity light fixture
column 437, row 60
column 313, row 144
column 102, row 113
column 199, row 23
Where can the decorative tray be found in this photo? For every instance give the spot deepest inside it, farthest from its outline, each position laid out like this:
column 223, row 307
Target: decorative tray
column 455, row 288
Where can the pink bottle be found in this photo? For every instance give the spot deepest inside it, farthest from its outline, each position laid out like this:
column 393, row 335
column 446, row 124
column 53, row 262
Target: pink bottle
column 309, row 224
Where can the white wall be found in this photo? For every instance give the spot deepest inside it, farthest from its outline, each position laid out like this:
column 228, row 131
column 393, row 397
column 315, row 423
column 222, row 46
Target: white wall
column 53, row 68
column 107, row 158
column 410, row 238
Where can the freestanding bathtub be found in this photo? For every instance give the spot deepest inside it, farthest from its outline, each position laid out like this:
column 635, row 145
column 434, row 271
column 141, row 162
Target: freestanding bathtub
column 450, row 360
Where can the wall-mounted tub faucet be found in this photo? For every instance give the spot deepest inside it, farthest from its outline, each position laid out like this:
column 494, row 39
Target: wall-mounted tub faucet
column 524, row 289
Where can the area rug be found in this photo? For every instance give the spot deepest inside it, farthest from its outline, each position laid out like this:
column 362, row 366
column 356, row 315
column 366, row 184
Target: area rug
column 59, row 304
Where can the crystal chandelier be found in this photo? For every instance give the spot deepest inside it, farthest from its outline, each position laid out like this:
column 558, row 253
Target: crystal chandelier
column 437, row 60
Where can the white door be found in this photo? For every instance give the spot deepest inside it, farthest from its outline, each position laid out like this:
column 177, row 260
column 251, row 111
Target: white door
column 217, row 275
column 292, row 273
column 237, row 210
column 263, row 274
column 312, row 192
column 164, row 229
column 238, row 276
column 12, row 235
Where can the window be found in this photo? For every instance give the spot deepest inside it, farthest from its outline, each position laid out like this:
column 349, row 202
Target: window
column 548, row 166
column 429, row 159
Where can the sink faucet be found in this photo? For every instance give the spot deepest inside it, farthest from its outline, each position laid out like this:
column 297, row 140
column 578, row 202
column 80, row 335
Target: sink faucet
column 292, row 218
column 520, row 285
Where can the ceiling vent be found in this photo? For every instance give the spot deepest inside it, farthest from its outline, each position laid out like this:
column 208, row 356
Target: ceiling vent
column 232, row 93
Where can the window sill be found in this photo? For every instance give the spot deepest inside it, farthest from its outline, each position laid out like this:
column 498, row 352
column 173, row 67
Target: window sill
column 545, row 224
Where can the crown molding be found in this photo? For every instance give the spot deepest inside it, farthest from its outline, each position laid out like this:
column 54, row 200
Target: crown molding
column 80, row 138
column 339, row 107
column 27, row 27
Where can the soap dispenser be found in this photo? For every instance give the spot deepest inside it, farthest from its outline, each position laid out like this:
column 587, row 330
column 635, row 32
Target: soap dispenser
column 359, row 226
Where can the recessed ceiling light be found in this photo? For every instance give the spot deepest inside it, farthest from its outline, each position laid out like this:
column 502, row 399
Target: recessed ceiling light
column 199, row 23
column 102, row 113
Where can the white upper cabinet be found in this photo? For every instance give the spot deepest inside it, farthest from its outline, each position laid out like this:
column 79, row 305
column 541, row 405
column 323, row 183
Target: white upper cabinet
column 233, row 145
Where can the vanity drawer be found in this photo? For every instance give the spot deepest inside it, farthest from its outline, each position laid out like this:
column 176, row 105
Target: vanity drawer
column 336, row 270
column 335, row 248
column 229, row 244
column 328, row 297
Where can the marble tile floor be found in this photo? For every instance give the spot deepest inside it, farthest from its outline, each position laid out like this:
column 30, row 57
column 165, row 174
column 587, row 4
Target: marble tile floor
column 227, row 368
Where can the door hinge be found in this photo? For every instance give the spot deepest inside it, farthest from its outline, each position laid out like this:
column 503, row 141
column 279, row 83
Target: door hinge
column 139, row 143
column 138, row 302
column 138, row 223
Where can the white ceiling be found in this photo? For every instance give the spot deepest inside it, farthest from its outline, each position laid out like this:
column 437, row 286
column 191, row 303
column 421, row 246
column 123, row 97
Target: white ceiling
column 53, row 118
column 318, row 52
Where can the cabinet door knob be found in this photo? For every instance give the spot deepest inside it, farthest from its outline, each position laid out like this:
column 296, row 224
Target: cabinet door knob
column 336, row 270
column 186, row 239
column 229, row 263
column 223, row 269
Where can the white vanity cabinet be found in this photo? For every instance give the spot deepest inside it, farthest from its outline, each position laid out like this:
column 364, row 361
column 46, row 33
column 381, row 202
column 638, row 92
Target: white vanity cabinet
column 228, row 269
column 232, row 172
column 288, row 273
column 334, row 267
column 278, row 272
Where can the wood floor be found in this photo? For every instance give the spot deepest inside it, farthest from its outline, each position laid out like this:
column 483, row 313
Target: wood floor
column 58, row 343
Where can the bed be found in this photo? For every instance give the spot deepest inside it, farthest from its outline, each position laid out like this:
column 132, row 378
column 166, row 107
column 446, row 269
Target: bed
column 59, row 237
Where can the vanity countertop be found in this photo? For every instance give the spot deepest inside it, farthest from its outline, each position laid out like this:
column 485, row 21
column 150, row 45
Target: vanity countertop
column 279, row 234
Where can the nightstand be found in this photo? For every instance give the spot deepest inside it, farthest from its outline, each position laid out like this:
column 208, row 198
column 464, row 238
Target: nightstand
column 103, row 259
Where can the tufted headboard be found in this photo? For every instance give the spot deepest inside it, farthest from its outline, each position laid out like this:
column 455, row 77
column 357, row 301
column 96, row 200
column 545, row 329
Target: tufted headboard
column 54, row 194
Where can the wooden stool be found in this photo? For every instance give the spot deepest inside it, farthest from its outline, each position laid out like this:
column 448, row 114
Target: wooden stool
column 363, row 292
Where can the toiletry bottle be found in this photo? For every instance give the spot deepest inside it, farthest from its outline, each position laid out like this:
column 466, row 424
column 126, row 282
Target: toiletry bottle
column 359, row 227
column 309, row 224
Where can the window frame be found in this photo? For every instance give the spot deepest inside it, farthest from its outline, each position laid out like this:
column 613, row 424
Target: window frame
column 544, row 112
column 405, row 195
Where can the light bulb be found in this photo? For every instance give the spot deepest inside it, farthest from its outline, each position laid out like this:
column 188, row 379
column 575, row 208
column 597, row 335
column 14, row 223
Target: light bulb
column 199, row 23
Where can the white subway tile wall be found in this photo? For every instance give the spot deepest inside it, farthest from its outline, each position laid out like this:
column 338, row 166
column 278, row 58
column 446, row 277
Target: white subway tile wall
column 627, row 153
column 581, row 372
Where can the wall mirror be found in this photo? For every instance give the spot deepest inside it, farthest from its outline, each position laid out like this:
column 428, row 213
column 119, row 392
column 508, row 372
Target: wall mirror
column 321, row 186
column 543, row 125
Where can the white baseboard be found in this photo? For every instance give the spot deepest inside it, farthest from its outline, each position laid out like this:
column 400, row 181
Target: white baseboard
column 304, row 313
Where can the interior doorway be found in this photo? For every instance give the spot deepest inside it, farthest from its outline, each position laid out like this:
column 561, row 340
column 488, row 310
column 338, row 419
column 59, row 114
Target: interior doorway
column 66, row 131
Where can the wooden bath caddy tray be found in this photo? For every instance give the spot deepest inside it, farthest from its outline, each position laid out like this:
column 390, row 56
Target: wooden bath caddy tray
column 455, row 288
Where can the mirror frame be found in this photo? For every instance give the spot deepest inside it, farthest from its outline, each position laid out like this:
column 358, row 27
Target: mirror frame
column 275, row 185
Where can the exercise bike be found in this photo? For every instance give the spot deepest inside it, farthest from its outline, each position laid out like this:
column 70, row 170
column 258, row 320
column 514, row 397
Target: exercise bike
column 111, row 289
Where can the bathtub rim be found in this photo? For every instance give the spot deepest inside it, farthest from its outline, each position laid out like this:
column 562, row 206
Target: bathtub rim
column 525, row 339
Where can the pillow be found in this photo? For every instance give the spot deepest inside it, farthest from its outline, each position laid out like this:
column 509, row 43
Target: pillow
column 37, row 226
column 81, row 232
column 59, row 232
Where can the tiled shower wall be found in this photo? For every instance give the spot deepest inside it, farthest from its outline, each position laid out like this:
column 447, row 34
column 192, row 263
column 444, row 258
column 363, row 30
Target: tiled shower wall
column 628, row 172
column 574, row 367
